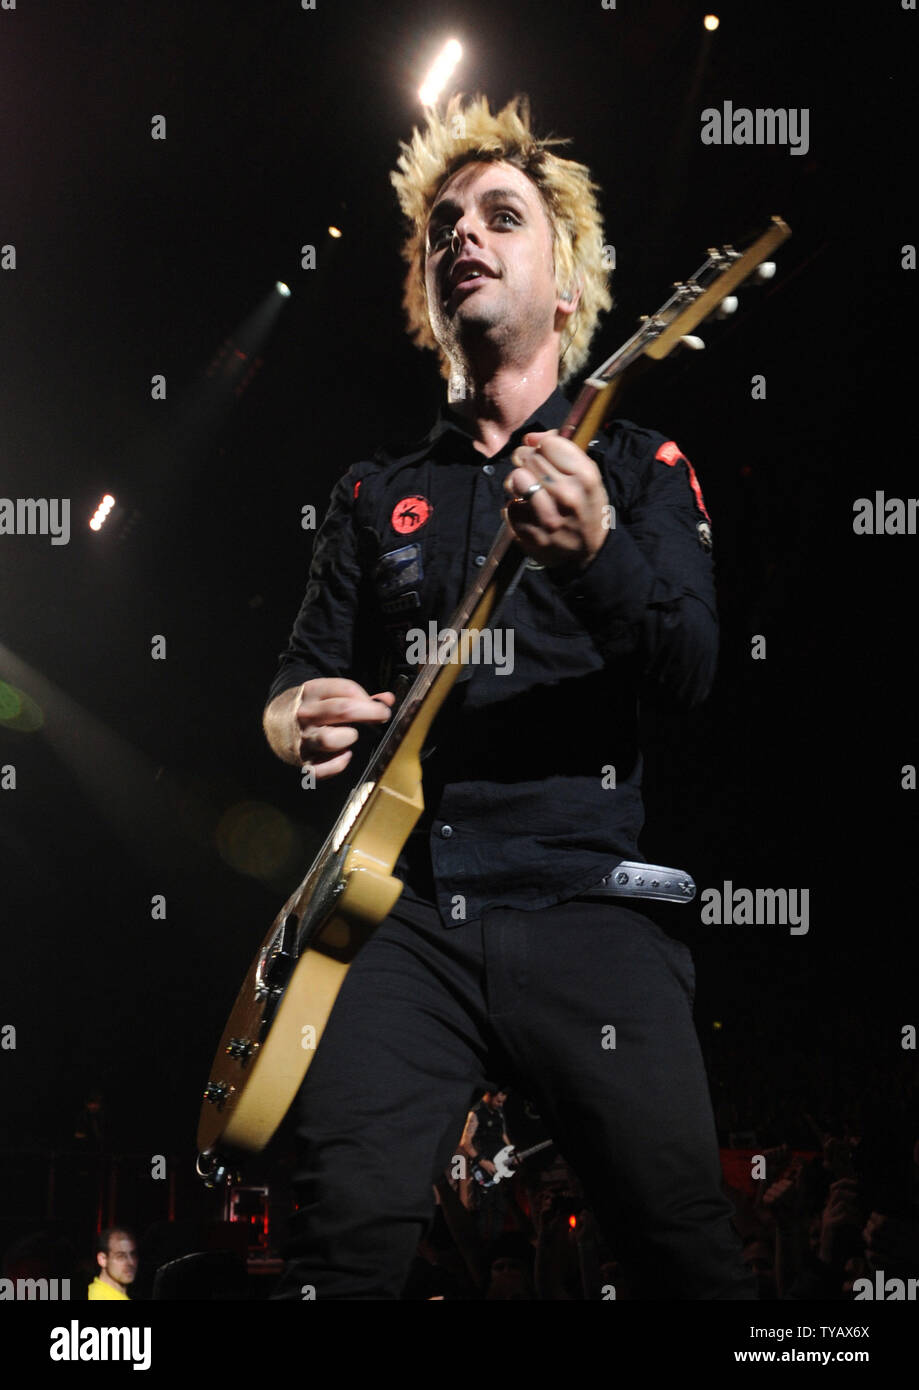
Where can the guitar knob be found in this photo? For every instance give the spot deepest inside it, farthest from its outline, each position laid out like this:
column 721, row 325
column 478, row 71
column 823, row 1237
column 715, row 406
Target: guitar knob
column 240, row 1048
column 216, row 1092
column 764, row 271
column 727, row 307
column 691, row 341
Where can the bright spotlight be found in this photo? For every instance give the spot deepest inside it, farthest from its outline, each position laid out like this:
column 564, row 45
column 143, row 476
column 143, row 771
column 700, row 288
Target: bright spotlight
column 711, row 22
column 283, row 289
column 101, row 512
column 440, row 72
column 335, row 232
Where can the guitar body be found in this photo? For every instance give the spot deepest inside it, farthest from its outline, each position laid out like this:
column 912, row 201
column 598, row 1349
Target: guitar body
column 502, row 1161
column 270, row 1039
column 286, row 998
column 506, row 1161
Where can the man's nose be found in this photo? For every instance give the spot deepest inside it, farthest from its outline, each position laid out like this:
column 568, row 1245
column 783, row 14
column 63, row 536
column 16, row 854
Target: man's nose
column 464, row 230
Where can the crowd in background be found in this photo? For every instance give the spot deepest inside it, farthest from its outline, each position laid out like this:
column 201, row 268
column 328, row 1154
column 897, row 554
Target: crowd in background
column 823, row 1174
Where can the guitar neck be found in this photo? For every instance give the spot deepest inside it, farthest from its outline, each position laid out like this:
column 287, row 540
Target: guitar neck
column 537, row 1148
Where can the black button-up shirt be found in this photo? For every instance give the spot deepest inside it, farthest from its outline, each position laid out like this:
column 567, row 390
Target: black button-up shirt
column 532, row 788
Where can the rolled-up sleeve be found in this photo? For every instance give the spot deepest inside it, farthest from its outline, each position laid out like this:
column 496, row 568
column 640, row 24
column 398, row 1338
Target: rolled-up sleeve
column 649, row 591
column 322, row 641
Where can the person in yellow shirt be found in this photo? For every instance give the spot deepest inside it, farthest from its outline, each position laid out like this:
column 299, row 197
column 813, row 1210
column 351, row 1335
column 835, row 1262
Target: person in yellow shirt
column 116, row 1256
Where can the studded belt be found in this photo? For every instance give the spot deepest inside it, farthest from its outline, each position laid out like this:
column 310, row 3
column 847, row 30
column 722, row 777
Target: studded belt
column 632, row 880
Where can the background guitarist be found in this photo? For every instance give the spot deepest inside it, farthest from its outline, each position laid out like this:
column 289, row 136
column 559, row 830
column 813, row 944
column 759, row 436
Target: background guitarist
column 503, row 957
column 485, row 1133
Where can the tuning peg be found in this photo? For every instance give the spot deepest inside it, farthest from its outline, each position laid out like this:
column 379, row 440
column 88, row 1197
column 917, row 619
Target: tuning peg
column 764, row 271
column 727, row 307
column 691, row 341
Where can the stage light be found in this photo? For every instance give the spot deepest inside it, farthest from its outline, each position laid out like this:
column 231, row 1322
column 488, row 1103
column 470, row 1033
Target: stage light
column 711, row 22
column 440, row 72
column 717, row 1026
column 10, row 701
column 335, row 232
column 18, row 710
column 255, row 839
column 283, row 289
column 101, row 512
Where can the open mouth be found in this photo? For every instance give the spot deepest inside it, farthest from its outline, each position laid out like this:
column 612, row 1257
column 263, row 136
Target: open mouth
column 467, row 281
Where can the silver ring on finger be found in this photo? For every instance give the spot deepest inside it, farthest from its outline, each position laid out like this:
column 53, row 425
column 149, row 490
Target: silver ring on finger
column 532, row 491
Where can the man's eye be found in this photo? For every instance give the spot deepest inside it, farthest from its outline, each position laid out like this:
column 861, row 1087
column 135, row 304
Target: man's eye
column 445, row 233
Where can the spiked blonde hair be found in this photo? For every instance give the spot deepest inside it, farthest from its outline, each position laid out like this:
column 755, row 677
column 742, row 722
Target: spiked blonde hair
column 463, row 135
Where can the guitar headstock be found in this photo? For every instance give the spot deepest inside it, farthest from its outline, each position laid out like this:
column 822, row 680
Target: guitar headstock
column 710, row 290
column 708, row 293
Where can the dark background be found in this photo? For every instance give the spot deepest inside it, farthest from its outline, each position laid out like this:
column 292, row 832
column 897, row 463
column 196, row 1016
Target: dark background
column 137, row 257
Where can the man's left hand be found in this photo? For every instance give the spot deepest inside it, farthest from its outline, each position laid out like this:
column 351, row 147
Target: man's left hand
column 567, row 520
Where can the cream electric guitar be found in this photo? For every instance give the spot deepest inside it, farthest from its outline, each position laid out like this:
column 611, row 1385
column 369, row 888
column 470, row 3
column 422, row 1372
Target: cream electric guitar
column 286, row 998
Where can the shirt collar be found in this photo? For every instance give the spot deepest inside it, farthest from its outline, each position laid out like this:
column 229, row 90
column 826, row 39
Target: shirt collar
column 549, row 416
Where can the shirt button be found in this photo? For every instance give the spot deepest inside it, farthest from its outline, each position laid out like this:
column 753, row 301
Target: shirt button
column 488, row 468
column 480, row 559
column 446, row 831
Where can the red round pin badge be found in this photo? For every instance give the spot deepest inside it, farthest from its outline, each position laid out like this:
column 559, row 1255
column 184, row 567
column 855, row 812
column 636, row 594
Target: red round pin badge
column 410, row 514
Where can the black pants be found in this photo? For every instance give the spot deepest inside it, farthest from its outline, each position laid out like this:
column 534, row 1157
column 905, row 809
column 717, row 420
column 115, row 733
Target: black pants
column 527, row 999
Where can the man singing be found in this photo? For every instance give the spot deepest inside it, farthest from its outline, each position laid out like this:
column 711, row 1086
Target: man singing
column 511, row 953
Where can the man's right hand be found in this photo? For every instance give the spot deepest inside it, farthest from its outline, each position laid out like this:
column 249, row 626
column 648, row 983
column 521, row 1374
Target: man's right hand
column 312, row 725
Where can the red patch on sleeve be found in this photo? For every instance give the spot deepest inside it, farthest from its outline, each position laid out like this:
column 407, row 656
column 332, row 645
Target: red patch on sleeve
column 357, row 487
column 670, row 454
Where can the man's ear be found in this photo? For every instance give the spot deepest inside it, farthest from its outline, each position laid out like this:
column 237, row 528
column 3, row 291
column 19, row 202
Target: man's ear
column 569, row 299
